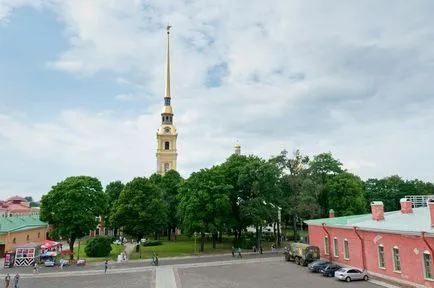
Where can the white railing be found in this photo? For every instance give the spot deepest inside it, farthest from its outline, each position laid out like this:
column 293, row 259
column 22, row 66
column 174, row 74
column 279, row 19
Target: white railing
column 419, row 200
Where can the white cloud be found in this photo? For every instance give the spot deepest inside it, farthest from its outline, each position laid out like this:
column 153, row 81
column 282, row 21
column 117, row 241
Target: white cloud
column 353, row 78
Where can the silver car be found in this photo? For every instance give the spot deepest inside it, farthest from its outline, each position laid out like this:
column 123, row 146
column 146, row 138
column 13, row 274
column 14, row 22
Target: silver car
column 350, row 274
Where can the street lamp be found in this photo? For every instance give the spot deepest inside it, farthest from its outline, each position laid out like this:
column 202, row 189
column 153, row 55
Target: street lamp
column 279, row 217
column 195, row 236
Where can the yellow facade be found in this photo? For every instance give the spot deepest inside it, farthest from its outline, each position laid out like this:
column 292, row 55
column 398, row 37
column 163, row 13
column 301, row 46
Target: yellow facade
column 24, row 237
column 167, row 134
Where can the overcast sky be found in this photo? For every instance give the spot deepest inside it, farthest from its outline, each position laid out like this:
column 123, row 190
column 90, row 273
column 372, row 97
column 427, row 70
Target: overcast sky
column 82, row 84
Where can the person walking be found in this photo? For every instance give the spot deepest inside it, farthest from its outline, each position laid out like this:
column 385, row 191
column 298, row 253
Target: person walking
column 16, row 280
column 239, row 253
column 7, row 280
column 35, row 267
column 105, row 266
column 233, row 251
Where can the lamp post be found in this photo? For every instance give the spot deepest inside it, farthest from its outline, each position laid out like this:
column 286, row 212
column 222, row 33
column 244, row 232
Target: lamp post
column 195, row 236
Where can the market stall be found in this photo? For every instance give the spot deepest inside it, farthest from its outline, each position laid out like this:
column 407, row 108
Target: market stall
column 9, row 259
column 26, row 255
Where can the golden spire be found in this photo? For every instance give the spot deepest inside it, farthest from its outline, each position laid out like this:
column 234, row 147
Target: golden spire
column 168, row 62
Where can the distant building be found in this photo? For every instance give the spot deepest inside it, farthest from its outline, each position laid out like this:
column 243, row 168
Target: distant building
column 21, row 230
column 396, row 245
column 17, row 206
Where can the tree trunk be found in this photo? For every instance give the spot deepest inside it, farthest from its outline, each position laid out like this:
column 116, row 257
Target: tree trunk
column 169, row 231
column 214, row 240
column 71, row 247
column 174, row 234
column 202, row 241
column 278, row 234
column 115, row 232
column 294, row 226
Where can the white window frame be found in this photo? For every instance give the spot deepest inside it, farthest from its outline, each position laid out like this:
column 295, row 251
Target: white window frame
column 336, row 247
column 424, row 266
column 384, row 258
column 326, row 245
column 399, row 258
column 346, row 249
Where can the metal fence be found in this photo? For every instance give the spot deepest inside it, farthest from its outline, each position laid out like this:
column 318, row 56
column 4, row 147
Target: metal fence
column 419, row 200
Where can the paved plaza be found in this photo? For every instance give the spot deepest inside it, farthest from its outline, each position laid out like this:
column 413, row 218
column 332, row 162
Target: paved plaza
column 215, row 272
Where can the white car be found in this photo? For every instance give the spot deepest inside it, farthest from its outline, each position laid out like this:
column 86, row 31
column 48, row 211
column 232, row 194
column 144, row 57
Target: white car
column 350, row 274
column 143, row 240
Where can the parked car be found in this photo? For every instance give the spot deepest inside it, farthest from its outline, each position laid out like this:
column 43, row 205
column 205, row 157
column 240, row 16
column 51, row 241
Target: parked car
column 350, row 274
column 329, row 270
column 317, row 265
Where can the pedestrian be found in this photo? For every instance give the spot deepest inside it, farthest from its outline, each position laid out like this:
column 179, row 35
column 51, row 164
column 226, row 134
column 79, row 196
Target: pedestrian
column 35, row 267
column 233, row 251
column 16, row 280
column 105, row 266
column 7, row 280
column 239, row 253
column 261, row 250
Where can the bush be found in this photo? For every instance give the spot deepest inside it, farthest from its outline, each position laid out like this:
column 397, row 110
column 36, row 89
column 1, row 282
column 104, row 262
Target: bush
column 152, row 243
column 99, row 246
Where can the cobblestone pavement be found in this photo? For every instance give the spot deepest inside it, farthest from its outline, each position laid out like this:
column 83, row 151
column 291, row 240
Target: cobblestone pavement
column 252, row 273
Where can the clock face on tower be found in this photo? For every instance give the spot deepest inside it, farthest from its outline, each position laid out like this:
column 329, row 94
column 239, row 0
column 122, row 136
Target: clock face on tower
column 167, row 130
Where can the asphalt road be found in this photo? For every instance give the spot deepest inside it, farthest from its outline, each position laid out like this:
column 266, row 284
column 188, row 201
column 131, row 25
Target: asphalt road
column 137, row 263
column 274, row 272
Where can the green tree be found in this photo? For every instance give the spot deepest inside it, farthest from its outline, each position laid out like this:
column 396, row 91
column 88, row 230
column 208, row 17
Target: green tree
column 258, row 182
column 113, row 191
column 205, row 203
column 170, row 183
column 322, row 168
column 72, row 206
column 140, row 209
column 99, row 246
column 345, row 194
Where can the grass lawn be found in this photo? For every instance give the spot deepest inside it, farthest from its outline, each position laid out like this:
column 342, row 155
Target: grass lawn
column 116, row 250
column 184, row 246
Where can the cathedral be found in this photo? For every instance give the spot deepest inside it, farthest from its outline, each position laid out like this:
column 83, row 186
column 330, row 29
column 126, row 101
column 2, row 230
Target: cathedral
column 167, row 134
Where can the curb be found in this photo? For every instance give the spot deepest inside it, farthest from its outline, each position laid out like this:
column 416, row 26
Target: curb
column 384, row 284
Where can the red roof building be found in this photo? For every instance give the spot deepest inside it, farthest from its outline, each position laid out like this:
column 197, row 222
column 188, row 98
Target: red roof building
column 395, row 245
column 16, row 206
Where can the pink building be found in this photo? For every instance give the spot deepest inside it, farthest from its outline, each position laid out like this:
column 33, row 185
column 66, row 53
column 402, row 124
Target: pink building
column 396, row 245
column 17, row 206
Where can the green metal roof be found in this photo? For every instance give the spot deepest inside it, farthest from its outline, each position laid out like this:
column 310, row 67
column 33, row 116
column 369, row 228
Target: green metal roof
column 338, row 220
column 20, row 223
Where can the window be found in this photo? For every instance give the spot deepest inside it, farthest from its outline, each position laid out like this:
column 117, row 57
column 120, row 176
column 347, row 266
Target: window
column 335, row 247
column 381, row 262
column 427, row 265
column 14, row 240
column 39, row 235
column 166, row 145
column 326, row 245
column 346, row 250
column 166, row 167
column 396, row 260
column 28, row 238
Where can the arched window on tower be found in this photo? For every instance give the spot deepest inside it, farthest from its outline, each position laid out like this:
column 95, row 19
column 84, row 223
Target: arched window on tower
column 166, row 145
column 166, row 167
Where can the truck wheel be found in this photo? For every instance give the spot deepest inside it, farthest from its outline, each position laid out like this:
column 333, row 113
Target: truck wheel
column 302, row 262
column 297, row 260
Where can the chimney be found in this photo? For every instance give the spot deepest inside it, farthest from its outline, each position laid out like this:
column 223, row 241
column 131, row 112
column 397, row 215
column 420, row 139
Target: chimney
column 377, row 209
column 430, row 204
column 331, row 213
column 406, row 206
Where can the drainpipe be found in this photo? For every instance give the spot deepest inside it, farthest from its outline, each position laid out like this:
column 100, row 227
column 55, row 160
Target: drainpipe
column 426, row 242
column 363, row 247
column 328, row 237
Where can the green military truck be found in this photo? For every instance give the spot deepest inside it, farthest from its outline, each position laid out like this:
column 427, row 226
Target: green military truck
column 301, row 253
